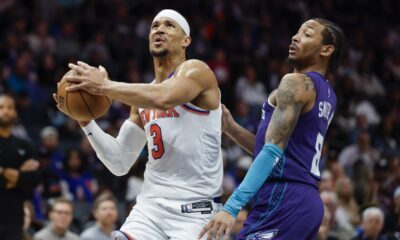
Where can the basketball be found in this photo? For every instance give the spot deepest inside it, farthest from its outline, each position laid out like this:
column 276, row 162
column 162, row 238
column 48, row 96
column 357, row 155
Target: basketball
column 81, row 105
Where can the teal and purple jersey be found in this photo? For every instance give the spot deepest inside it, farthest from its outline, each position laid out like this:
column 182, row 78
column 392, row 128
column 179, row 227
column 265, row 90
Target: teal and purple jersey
column 303, row 152
column 288, row 205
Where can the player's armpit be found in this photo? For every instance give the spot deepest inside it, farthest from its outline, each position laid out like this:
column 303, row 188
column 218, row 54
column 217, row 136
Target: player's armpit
column 294, row 93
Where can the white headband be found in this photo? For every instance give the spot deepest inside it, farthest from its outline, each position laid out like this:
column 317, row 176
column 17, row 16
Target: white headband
column 177, row 17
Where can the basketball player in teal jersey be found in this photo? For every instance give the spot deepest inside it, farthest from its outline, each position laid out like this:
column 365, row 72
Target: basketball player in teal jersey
column 282, row 181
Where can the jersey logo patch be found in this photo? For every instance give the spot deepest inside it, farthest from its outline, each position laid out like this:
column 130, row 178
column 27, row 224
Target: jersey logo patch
column 263, row 235
column 148, row 115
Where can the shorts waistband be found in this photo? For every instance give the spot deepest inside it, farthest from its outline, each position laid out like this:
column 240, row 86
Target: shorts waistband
column 201, row 206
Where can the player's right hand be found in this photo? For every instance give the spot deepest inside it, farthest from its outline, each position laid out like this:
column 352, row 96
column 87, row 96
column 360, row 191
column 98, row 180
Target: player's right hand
column 219, row 227
column 55, row 97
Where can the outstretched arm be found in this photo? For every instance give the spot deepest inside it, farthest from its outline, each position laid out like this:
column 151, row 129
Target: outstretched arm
column 294, row 93
column 192, row 78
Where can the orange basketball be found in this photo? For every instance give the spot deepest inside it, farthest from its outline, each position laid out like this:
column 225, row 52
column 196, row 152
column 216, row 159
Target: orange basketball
column 80, row 104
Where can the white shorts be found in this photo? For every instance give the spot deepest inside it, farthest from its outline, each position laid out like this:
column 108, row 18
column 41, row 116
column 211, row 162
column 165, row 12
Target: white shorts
column 160, row 219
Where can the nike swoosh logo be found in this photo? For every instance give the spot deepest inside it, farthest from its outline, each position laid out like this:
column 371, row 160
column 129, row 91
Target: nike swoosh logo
column 90, row 134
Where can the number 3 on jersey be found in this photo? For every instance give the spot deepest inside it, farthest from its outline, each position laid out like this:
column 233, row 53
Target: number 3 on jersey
column 318, row 148
column 158, row 145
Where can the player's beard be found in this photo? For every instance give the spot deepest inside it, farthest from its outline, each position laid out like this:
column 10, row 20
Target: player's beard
column 159, row 54
column 292, row 62
column 296, row 63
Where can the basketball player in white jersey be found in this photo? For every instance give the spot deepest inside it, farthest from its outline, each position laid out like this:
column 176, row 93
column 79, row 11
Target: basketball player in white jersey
column 179, row 116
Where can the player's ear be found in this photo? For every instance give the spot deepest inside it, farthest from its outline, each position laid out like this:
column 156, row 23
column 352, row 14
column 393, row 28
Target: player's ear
column 327, row 50
column 186, row 41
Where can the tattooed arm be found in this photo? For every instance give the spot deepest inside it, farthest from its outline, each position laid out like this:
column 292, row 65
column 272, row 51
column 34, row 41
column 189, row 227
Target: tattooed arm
column 295, row 95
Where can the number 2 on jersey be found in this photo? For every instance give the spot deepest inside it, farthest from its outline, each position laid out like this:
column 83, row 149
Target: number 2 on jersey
column 318, row 148
column 158, row 145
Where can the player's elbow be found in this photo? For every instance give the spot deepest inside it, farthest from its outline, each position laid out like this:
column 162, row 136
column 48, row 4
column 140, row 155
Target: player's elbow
column 115, row 165
column 163, row 103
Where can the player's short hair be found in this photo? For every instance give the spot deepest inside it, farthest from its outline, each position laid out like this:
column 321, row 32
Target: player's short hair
column 102, row 198
column 333, row 35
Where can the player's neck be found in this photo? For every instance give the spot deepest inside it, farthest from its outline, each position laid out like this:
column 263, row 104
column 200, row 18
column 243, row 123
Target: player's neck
column 313, row 68
column 5, row 132
column 163, row 67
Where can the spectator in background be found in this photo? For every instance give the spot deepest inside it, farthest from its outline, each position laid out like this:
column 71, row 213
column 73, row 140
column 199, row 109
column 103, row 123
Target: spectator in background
column 347, row 208
column 372, row 225
column 326, row 183
column 49, row 139
column 365, row 107
column 29, row 218
column 244, row 117
column 18, row 81
column 60, row 216
column 385, row 140
column 362, row 150
column 106, row 215
column 362, row 180
column 221, row 68
column 325, row 225
column 243, row 164
column 392, row 221
column 366, row 81
column 96, row 51
column 250, row 90
column 40, row 41
column 336, row 231
column 68, row 43
column 18, row 173
column 81, row 184
column 47, row 70
column 51, row 186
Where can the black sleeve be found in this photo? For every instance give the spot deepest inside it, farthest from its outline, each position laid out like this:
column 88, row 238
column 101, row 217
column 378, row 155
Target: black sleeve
column 3, row 182
column 30, row 150
column 27, row 181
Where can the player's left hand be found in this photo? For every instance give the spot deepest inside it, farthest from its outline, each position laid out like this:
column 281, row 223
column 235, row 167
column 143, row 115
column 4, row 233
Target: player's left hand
column 89, row 78
column 219, row 227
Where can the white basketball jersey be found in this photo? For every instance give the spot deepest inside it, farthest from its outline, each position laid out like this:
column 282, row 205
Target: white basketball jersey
column 185, row 160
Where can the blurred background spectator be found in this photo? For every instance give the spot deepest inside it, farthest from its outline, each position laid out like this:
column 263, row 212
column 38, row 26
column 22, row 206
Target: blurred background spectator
column 106, row 216
column 372, row 224
column 60, row 217
column 19, row 174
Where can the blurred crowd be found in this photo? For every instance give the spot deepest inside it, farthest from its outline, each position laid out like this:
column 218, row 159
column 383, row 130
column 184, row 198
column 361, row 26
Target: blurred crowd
column 245, row 43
